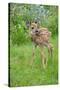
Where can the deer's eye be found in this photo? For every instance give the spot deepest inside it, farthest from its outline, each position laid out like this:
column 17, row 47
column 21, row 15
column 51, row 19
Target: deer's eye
column 32, row 27
column 36, row 22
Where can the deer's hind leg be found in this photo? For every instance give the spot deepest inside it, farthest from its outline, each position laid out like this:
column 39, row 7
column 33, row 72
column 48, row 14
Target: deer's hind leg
column 50, row 49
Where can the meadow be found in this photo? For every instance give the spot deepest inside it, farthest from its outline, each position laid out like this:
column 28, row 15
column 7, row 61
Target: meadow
column 22, row 73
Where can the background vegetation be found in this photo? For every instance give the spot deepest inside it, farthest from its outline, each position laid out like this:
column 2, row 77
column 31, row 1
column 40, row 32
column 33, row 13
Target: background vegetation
column 21, row 72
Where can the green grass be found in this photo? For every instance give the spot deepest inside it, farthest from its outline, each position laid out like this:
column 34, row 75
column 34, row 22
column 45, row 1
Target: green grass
column 22, row 73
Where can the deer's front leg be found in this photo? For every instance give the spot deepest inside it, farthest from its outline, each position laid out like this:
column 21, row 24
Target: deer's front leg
column 33, row 55
column 43, row 57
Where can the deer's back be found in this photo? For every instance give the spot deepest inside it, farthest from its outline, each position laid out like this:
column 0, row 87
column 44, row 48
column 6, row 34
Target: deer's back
column 42, row 37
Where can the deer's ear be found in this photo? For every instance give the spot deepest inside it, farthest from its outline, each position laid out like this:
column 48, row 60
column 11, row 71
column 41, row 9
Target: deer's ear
column 28, row 23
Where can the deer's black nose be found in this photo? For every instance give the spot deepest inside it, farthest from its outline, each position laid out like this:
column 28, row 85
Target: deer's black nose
column 36, row 31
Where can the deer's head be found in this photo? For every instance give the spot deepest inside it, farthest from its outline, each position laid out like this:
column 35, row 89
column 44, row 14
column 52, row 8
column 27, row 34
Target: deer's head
column 33, row 28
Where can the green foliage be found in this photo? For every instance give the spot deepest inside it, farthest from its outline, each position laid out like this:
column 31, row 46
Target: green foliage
column 20, row 14
column 19, row 33
column 53, row 20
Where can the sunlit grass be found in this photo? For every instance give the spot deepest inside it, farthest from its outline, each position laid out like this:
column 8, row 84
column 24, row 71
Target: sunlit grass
column 23, row 73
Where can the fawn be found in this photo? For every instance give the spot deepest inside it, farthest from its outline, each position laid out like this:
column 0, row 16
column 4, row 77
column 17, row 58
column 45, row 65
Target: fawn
column 41, row 37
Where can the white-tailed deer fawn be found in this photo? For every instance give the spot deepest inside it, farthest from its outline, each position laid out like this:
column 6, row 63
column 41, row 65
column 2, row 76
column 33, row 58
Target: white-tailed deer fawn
column 40, row 36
